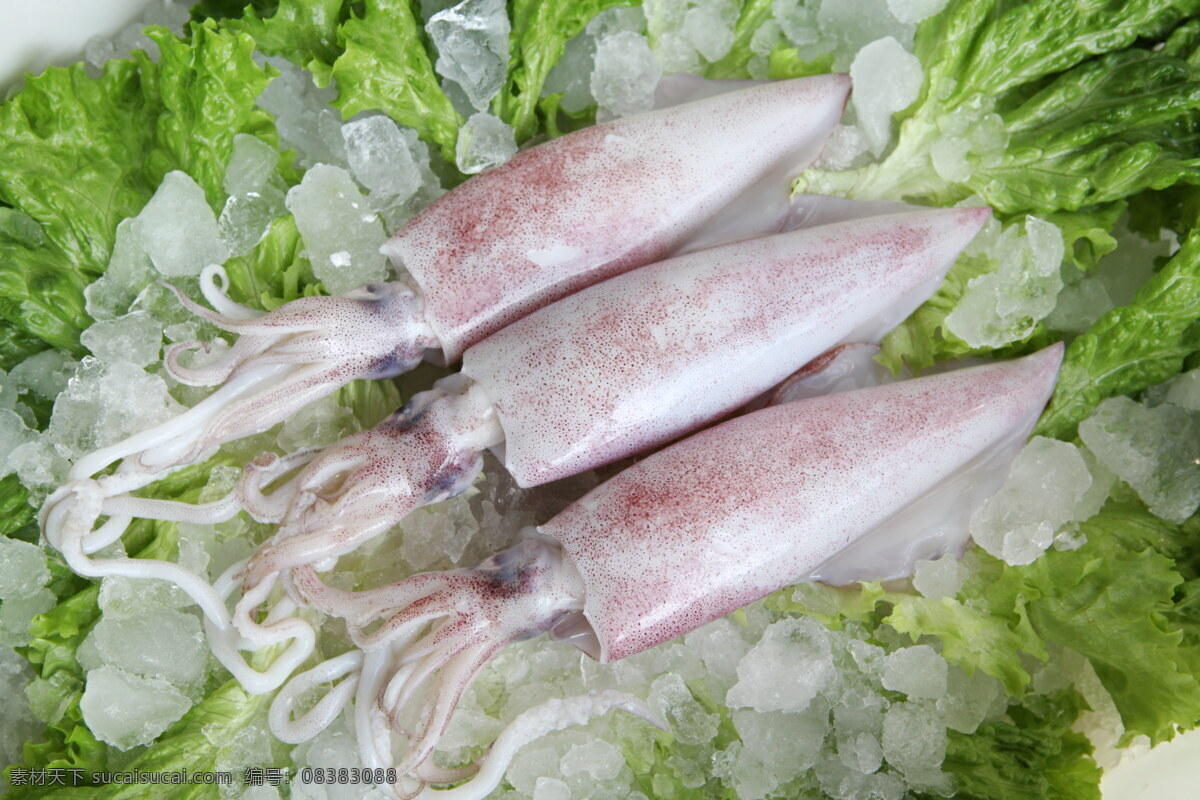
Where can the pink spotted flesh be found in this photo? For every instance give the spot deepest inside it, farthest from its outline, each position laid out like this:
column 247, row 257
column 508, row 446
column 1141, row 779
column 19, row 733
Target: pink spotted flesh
column 740, row 510
column 579, row 209
column 633, row 362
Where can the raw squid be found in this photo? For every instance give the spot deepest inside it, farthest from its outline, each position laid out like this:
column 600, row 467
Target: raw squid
column 556, row 218
column 689, row 534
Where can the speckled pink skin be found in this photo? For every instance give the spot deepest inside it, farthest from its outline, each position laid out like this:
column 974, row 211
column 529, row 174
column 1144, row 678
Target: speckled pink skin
column 731, row 514
column 597, row 202
column 640, row 359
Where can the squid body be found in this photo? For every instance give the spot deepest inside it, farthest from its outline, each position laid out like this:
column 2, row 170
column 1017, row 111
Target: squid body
column 616, row 369
column 687, row 535
column 555, row 218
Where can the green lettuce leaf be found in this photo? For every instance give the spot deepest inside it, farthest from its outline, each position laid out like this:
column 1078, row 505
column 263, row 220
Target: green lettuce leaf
column 1031, row 754
column 735, row 63
column 79, row 154
column 1132, row 347
column 540, row 30
column 302, row 32
column 385, row 67
column 1073, row 130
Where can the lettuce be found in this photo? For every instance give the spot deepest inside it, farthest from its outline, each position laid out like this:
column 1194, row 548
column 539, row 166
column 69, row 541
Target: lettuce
column 79, row 154
column 1132, row 347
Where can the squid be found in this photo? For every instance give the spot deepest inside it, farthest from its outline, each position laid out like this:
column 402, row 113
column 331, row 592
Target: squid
column 687, row 535
column 616, row 369
column 555, row 218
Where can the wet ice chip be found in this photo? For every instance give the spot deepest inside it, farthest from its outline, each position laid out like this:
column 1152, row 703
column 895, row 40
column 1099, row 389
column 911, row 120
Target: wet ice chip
column 940, row 578
column 721, row 645
column 334, row 217
column 1005, row 305
column 968, row 699
column 472, row 44
column 784, row 744
column 796, row 21
column 914, row 738
column 318, row 424
column 252, row 164
column 129, row 270
column 598, row 759
column 918, row 672
column 246, row 219
column 135, row 338
column 551, row 789
column 45, row 374
column 23, row 568
column 104, row 403
column 887, row 78
column 949, row 157
column 39, row 466
column 846, row 145
column 531, row 763
column 1044, row 490
column 914, row 11
column 786, row 669
column 708, row 27
column 382, row 160
column 571, row 76
column 625, row 74
column 673, row 701
column 125, row 710
column 306, row 121
column 13, row 434
column 157, row 643
column 178, row 230
column 484, row 141
column 435, row 532
column 861, row 752
column 1184, row 391
column 16, row 613
column 1151, row 449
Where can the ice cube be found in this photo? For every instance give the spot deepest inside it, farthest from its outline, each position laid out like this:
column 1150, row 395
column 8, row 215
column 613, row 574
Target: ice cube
column 246, row 219
column 129, row 270
column 914, row 11
column 158, row 643
column 13, row 434
column 949, row 157
column 17, row 612
column 939, row 578
column 708, row 27
column 382, row 160
column 914, row 738
column 721, row 644
column 23, row 568
column 334, row 217
column 123, row 597
column 19, row 723
column 844, row 147
column 571, row 76
column 484, row 142
column 786, row 669
column 600, row 760
column 318, row 424
column 861, row 752
column 1044, row 490
column 104, row 403
column 852, row 24
column 689, row 722
column 135, row 338
column 440, row 531
column 178, row 230
column 45, row 374
column 1151, row 449
column 38, row 465
column 795, row 20
column 252, row 164
column 551, row 789
column 472, row 44
column 919, row 672
column 785, row 744
column 887, row 78
column 1184, row 391
column 532, row 762
column 615, row 20
column 306, row 121
column 125, row 710
column 1005, row 305
column 625, row 74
